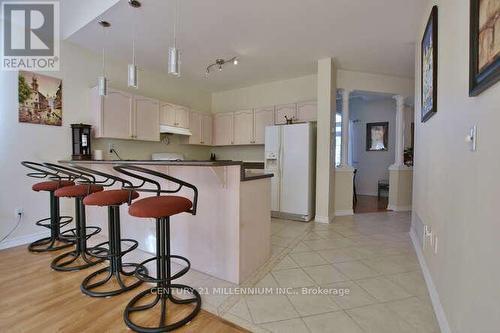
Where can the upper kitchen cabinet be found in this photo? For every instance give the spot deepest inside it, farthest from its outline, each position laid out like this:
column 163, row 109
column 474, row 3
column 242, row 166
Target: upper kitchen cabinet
column 262, row 117
column 120, row 115
column 206, row 129
column 174, row 115
column 223, row 129
column 195, row 128
column 147, row 119
column 112, row 114
column 200, row 125
column 284, row 112
column 243, row 127
column 307, row 111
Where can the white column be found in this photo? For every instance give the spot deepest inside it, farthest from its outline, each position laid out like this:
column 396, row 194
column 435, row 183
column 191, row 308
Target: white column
column 327, row 94
column 399, row 151
column 344, row 158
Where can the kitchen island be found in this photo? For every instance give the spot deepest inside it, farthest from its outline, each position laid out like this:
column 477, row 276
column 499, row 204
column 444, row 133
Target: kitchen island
column 230, row 235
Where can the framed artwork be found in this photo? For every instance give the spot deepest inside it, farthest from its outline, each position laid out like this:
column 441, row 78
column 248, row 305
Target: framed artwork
column 40, row 99
column 484, row 57
column 377, row 136
column 429, row 67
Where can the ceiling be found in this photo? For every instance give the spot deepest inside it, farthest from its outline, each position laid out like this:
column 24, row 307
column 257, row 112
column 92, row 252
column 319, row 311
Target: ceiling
column 275, row 40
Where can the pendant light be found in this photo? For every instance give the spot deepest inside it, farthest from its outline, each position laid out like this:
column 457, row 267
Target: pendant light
column 132, row 68
column 173, row 52
column 102, row 81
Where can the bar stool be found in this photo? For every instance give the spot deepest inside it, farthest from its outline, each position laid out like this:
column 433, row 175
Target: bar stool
column 81, row 233
column 55, row 221
column 112, row 199
column 160, row 208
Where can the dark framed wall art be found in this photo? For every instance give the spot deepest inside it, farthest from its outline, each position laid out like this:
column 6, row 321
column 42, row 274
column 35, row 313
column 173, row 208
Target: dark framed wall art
column 429, row 67
column 377, row 136
column 484, row 56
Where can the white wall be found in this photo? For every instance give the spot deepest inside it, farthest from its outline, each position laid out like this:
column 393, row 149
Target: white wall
column 19, row 141
column 372, row 165
column 295, row 90
column 456, row 191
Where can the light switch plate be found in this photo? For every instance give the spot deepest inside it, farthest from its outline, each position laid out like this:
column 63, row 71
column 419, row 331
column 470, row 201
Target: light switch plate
column 471, row 138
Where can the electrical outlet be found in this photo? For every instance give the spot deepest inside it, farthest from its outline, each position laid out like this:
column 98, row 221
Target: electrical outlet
column 111, row 147
column 19, row 212
column 435, row 244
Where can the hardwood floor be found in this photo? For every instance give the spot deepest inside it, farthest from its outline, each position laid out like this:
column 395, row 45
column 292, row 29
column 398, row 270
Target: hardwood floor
column 370, row 204
column 34, row 298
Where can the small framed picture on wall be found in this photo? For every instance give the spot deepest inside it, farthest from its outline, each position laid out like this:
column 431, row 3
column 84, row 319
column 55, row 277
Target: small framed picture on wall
column 429, row 67
column 377, row 136
column 484, row 56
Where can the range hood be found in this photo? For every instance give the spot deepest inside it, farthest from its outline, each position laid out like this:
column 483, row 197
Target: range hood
column 174, row 130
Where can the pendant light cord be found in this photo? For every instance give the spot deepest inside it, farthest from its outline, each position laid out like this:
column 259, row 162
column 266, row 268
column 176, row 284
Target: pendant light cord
column 104, row 52
column 176, row 22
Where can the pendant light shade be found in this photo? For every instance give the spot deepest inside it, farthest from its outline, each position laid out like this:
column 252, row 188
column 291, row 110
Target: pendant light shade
column 102, row 81
column 132, row 68
column 174, row 61
column 132, row 76
column 102, row 84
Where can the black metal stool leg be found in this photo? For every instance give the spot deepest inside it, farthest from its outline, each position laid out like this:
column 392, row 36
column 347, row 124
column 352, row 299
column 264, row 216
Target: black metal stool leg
column 163, row 289
column 52, row 243
column 115, row 271
column 80, row 236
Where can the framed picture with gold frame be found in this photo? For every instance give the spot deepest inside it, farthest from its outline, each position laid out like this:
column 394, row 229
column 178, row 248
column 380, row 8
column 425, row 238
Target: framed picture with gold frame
column 484, row 57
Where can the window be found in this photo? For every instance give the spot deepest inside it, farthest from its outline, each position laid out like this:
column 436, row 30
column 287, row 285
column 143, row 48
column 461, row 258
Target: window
column 338, row 138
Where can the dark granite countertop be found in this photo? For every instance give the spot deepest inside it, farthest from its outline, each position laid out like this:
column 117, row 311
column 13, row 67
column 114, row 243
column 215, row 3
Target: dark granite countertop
column 246, row 175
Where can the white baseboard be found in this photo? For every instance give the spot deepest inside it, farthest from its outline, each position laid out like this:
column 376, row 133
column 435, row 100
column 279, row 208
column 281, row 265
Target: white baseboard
column 399, row 208
column 347, row 212
column 21, row 240
column 321, row 219
column 436, row 303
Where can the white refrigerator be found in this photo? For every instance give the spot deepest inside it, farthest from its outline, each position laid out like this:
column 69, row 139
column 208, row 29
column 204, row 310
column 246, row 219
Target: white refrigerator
column 290, row 154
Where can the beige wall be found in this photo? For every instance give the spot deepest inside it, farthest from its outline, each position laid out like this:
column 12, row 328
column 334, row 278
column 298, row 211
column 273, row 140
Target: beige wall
column 18, row 142
column 456, row 191
column 295, row 90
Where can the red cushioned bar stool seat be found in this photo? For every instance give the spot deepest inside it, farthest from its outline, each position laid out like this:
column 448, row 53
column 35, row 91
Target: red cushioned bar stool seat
column 158, row 207
column 163, row 295
column 51, row 186
column 80, row 258
column 55, row 222
column 117, row 277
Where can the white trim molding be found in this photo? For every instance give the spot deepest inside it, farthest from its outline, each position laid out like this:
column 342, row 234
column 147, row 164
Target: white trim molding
column 322, row 219
column 21, row 240
column 394, row 167
column 436, row 303
column 398, row 208
column 344, row 212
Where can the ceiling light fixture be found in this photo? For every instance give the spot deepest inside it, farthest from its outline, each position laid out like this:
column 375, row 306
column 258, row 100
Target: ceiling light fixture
column 173, row 52
column 219, row 63
column 132, row 68
column 102, row 81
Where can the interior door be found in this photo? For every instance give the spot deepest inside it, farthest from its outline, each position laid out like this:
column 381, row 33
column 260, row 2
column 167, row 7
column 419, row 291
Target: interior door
column 117, row 115
column 195, row 128
column 147, row 119
column 243, row 127
column 223, row 129
column 295, row 166
column 206, row 129
column 262, row 117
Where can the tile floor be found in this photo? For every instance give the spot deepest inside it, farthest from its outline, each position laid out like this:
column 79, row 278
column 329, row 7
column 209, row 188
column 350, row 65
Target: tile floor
column 370, row 256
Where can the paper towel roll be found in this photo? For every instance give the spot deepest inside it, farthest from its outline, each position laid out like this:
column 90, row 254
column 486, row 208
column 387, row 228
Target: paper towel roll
column 98, row 155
